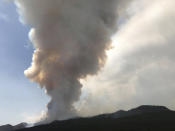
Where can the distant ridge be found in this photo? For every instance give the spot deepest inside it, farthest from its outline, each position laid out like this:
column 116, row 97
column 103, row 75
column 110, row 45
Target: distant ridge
column 135, row 111
column 150, row 108
column 142, row 118
column 12, row 128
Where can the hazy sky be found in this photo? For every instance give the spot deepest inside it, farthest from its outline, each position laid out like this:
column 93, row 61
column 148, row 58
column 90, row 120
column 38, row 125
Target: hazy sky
column 140, row 69
column 18, row 97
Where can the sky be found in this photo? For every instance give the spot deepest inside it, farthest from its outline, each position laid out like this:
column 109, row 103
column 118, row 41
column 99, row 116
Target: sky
column 19, row 98
column 139, row 69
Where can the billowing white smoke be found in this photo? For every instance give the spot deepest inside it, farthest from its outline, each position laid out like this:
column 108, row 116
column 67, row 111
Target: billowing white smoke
column 141, row 67
column 71, row 38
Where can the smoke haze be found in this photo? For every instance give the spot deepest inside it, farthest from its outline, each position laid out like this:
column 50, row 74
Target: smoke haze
column 70, row 39
column 140, row 69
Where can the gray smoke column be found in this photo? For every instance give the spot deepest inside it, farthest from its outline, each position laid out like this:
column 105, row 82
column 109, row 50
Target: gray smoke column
column 140, row 68
column 71, row 38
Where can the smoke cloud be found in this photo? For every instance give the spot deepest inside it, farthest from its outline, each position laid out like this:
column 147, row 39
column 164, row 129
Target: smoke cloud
column 71, row 38
column 140, row 69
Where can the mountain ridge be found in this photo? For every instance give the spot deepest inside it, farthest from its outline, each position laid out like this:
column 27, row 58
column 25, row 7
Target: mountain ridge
column 145, row 116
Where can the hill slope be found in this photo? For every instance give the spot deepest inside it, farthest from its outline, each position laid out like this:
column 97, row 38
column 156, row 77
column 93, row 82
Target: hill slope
column 12, row 128
column 143, row 118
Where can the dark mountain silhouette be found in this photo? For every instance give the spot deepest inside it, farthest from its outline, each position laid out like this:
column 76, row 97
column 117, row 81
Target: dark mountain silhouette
column 12, row 128
column 136, row 111
column 6, row 127
column 143, row 118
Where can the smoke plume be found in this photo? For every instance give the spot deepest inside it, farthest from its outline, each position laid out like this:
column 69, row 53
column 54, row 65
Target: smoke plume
column 71, row 38
column 140, row 69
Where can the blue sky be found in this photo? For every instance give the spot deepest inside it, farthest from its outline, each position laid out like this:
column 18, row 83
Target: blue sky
column 19, row 98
